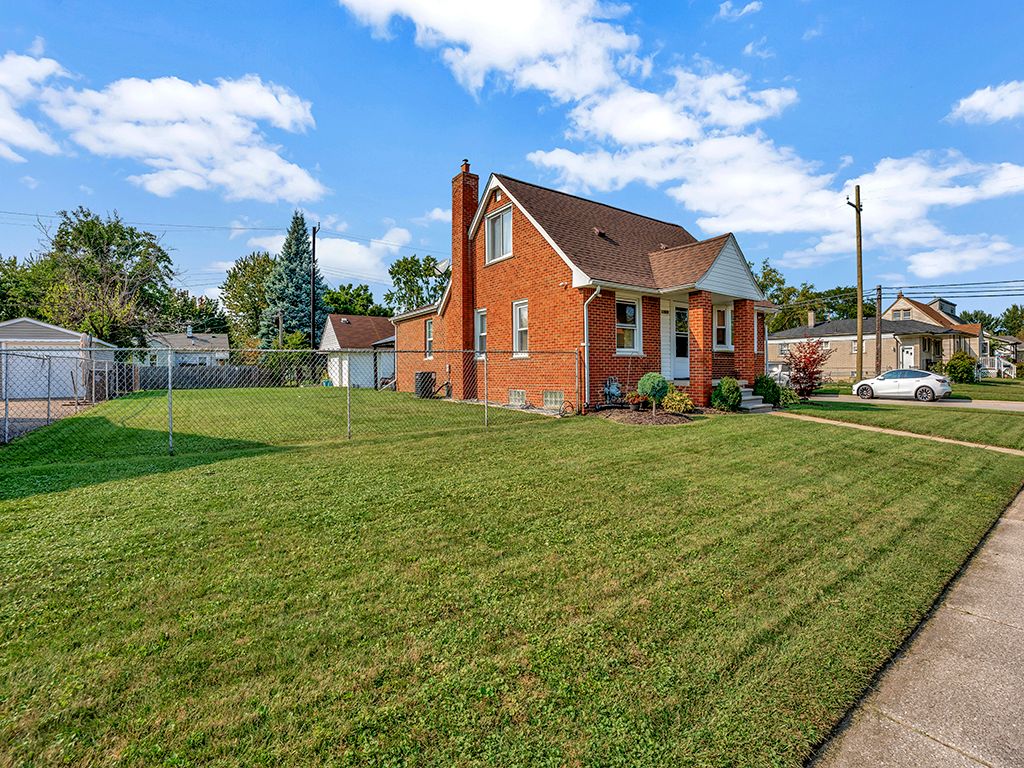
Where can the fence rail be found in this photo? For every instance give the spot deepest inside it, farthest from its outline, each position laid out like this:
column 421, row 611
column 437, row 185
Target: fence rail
column 62, row 404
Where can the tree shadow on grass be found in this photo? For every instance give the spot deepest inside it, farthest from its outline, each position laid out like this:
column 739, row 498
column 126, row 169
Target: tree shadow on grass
column 96, row 451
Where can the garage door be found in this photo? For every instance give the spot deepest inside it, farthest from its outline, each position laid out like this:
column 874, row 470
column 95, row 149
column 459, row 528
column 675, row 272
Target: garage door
column 27, row 374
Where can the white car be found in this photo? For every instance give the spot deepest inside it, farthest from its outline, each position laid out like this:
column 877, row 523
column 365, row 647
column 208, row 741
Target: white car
column 904, row 382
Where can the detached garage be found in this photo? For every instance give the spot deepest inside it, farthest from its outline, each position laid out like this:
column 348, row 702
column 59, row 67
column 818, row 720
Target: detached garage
column 40, row 358
column 366, row 350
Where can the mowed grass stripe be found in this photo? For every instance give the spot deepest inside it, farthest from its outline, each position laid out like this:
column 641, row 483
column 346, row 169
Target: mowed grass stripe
column 578, row 591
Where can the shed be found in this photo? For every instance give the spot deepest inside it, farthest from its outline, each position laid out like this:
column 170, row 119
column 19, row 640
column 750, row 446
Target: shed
column 366, row 350
column 41, row 359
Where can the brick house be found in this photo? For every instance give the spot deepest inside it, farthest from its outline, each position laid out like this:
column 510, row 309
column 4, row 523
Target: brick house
column 567, row 293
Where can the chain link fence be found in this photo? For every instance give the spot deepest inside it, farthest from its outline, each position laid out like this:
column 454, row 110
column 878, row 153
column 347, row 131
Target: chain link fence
column 67, row 405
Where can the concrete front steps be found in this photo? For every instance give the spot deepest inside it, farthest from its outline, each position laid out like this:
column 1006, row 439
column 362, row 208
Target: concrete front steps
column 750, row 402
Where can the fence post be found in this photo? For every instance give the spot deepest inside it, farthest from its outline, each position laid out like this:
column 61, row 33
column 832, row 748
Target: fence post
column 170, row 402
column 579, row 401
column 49, row 379
column 7, row 400
column 348, row 403
column 92, row 378
column 485, row 390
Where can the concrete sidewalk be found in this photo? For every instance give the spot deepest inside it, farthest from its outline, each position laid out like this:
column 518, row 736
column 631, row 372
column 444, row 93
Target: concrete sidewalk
column 987, row 405
column 955, row 696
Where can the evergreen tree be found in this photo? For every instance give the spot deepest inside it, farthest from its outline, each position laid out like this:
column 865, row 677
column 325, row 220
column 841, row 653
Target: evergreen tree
column 287, row 289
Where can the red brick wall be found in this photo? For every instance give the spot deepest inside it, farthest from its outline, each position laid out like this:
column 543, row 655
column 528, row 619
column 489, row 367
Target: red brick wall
column 409, row 346
column 701, row 339
column 604, row 361
column 759, row 356
column 724, row 364
column 458, row 312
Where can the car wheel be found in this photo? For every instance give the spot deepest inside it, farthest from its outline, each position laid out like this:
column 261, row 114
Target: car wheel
column 924, row 394
column 865, row 392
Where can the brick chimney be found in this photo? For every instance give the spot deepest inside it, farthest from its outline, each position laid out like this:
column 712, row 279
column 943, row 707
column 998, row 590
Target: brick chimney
column 811, row 318
column 459, row 313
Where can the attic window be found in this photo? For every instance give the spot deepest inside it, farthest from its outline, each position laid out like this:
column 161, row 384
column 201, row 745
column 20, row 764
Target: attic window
column 497, row 195
column 499, row 235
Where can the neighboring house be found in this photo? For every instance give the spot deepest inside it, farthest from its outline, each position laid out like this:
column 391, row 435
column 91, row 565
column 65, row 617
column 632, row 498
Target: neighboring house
column 1011, row 348
column 370, row 361
column 200, row 349
column 46, row 359
column 905, row 344
column 565, row 293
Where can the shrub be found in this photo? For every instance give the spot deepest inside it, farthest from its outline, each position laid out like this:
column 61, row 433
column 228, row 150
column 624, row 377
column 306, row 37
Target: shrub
column 768, row 389
column 677, row 402
column 727, row 395
column 962, row 368
column 938, row 367
column 654, row 387
column 788, row 397
column 635, row 398
column 806, row 361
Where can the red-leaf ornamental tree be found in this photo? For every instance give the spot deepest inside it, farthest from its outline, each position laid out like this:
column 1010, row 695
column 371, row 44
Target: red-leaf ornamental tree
column 806, row 360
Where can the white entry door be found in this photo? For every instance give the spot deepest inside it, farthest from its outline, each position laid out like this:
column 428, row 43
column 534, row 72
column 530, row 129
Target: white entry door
column 907, row 357
column 681, row 366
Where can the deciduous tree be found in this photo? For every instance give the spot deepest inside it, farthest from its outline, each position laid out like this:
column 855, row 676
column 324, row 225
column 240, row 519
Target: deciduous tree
column 354, row 300
column 806, row 360
column 416, row 282
column 244, row 293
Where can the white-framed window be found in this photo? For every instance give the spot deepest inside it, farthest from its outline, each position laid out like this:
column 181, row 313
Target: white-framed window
column 723, row 328
column 499, row 235
column 783, row 349
column 627, row 326
column 520, row 328
column 480, row 332
column 853, row 346
column 428, row 339
column 553, row 399
column 517, row 397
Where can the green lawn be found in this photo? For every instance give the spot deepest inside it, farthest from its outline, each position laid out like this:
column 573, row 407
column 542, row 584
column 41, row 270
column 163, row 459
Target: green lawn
column 223, row 419
column 570, row 592
column 1004, row 428
column 986, row 389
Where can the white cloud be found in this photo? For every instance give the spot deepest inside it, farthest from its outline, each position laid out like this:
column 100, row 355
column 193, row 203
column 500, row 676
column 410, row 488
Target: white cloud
column 759, row 49
column 38, row 47
column 812, row 32
column 21, row 81
column 349, row 260
column 29, row 181
column 85, row 189
column 194, row 135
column 727, row 12
column 568, row 49
column 435, row 215
column 991, row 104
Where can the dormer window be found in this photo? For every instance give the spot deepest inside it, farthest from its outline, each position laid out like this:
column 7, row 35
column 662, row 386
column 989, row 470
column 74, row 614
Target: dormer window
column 499, row 235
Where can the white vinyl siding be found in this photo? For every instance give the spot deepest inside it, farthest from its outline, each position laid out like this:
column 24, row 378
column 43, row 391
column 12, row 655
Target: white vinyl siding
column 520, row 328
column 499, row 235
column 730, row 275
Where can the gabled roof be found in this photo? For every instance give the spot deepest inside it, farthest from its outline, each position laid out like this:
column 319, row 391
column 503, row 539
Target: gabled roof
column 685, row 264
column 198, row 341
column 848, row 327
column 605, row 243
column 359, row 331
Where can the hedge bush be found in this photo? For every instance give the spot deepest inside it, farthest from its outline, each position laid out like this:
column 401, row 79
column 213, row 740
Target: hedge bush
column 727, row 395
column 767, row 389
column 788, row 397
column 677, row 402
column 962, row 368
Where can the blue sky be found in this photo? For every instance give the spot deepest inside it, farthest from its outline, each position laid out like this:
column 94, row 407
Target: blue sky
column 751, row 117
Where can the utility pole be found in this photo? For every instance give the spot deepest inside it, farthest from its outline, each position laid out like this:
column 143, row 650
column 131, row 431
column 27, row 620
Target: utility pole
column 280, row 330
column 312, row 291
column 860, row 284
column 878, row 330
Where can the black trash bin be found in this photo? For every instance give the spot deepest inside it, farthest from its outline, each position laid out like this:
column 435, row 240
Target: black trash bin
column 425, row 383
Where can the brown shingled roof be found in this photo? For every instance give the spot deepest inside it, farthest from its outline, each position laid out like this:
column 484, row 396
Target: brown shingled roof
column 607, row 243
column 360, row 331
column 685, row 264
column 933, row 313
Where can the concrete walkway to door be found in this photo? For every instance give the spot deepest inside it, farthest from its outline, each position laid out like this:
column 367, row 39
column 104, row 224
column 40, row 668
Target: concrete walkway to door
column 988, row 405
column 955, row 695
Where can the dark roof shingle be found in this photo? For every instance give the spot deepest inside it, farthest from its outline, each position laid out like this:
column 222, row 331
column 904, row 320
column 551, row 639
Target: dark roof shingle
column 848, row 327
column 360, row 331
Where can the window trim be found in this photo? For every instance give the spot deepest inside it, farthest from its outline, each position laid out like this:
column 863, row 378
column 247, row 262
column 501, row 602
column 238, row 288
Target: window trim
column 477, row 314
column 428, row 339
column 729, row 320
column 516, row 351
column 487, row 235
column 637, row 301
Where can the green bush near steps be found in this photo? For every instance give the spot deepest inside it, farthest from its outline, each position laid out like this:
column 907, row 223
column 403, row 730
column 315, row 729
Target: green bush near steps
column 767, row 389
column 727, row 395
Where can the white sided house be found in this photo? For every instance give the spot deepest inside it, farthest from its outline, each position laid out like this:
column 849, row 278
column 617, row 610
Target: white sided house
column 365, row 345
column 39, row 360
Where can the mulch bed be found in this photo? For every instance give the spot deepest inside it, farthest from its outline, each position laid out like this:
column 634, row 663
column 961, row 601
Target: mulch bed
column 622, row 416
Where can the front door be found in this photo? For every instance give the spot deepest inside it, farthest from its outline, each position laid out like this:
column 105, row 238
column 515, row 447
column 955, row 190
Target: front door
column 907, row 358
column 681, row 367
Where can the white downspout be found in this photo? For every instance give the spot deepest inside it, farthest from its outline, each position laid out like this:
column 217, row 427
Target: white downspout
column 586, row 345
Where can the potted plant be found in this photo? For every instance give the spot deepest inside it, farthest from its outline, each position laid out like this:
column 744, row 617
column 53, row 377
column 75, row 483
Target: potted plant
column 635, row 400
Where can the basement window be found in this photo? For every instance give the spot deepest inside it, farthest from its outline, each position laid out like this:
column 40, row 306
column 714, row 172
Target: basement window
column 517, row 397
column 553, row 400
column 499, row 235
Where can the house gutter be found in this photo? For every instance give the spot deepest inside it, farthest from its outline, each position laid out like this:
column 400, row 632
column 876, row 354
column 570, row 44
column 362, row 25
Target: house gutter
column 586, row 345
